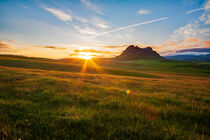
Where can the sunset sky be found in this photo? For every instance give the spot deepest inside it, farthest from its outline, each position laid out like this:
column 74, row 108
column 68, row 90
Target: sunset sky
column 66, row 28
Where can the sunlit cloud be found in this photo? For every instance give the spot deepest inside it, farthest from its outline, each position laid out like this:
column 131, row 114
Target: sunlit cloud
column 197, row 29
column 7, row 47
column 59, row 14
column 4, row 45
column 99, row 23
column 190, row 30
column 83, row 20
column 173, row 47
column 85, row 30
column 144, row 12
column 92, row 51
column 51, row 47
column 205, row 7
column 111, row 47
column 129, row 26
column 81, row 53
column 91, row 6
column 205, row 17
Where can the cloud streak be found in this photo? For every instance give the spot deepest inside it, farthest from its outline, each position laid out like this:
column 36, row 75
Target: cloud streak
column 144, row 12
column 93, row 51
column 91, row 6
column 85, row 30
column 206, row 7
column 59, row 14
column 173, row 47
column 51, row 47
column 129, row 26
column 4, row 45
column 6, row 48
column 111, row 47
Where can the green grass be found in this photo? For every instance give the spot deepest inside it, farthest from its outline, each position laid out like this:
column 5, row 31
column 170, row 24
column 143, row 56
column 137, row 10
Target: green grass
column 52, row 100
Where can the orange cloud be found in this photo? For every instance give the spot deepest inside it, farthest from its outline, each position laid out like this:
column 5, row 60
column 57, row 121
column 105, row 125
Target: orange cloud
column 120, row 46
column 4, row 45
column 184, row 44
column 73, row 54
column 207, row 44
column 170, row 43
column 6, row 48
column 93, row 51
column 192, row 39
column 51, row 47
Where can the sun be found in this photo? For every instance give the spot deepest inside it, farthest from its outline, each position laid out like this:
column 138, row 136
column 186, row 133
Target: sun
column 85, row 56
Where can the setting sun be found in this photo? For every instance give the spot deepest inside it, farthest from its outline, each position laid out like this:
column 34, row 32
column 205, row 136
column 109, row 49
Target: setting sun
column 85, row 56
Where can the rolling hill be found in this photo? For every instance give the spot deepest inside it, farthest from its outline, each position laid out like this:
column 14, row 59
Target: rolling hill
column 136, row 99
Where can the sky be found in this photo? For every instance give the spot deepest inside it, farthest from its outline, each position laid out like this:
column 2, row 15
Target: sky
column 103, row 28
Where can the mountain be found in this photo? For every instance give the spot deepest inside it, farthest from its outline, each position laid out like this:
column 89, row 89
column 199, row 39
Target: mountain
column 134, row 52
column 204, row 58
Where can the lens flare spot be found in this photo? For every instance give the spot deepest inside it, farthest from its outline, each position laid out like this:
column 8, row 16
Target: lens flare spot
column 128, row 91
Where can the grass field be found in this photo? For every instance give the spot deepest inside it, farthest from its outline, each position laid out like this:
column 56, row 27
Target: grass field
column 49, row 99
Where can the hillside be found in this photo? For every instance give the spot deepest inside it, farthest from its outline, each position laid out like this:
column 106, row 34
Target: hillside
column 143, row 99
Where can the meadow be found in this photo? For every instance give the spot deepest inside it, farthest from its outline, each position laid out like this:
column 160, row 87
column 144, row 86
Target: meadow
column 63, row 99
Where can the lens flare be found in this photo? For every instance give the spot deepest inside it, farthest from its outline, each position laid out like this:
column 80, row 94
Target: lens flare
column 128, row 91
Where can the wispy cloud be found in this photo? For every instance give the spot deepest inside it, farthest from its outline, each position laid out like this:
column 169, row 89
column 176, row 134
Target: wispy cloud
column 197, row 29
column 190, row 2
column 91, row 6
column 59, row 14
column 173, row 47
column 99, row 23
column 4, row 45
column 92, row 51
column 111, row 47
column 144, row 12
column 83, row 20
column 7, row 47
column 85, row 30
column 205, row 7
column 129, row 26
column 51, row 47
column 205, row 17
column 190, row 30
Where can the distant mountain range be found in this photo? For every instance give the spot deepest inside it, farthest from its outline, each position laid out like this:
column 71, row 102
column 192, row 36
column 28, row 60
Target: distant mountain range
column 134, row 52
column 194, row 54
column 204, row 58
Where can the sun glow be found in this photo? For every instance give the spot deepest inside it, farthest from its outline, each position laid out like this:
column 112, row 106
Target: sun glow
column 86, row 56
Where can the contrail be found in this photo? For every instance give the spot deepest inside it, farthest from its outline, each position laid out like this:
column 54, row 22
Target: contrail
column 129, row 26
column 194, row 10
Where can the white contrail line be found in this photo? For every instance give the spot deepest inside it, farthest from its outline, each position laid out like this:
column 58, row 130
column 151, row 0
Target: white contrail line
column 194, row 10
column 129, row 26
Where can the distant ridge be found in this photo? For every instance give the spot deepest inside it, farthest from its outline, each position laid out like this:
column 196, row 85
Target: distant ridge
column 134, row 52
column 198, row 58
